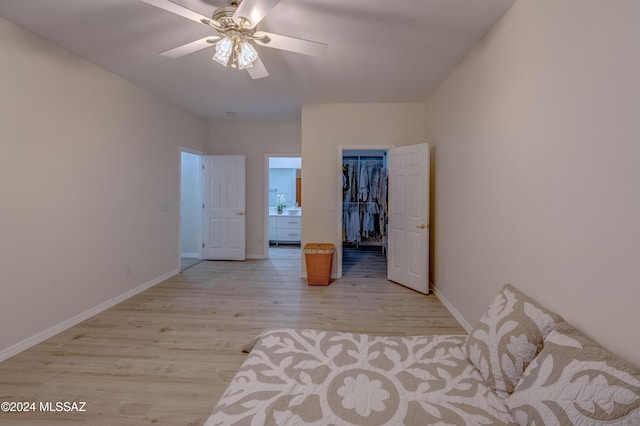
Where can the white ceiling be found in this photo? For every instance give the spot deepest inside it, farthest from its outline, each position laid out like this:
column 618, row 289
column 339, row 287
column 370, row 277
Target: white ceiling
column 379, row 51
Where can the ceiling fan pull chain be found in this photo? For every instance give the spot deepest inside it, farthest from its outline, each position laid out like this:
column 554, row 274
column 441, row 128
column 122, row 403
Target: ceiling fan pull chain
column 236, row 50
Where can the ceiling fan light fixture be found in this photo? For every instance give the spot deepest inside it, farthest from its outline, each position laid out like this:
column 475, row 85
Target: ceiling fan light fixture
column 238, row 35
column 224, row 49
column 247, row 55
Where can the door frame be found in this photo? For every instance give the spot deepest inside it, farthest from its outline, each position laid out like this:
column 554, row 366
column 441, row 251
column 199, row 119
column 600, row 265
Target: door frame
column 188, row 150
column 341, row 149
column 265, row 192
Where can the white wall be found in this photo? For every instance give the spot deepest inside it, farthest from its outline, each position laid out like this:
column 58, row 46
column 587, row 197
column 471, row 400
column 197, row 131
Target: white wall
column 89, row 187
column 254, row 139
column 325, row 127
column 536, row 152
column 190, row 205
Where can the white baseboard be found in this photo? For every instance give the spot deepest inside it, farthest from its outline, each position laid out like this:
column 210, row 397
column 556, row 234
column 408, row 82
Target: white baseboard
column 64, row 325
column 457, row 315
column 248, row 256
column 190, row 255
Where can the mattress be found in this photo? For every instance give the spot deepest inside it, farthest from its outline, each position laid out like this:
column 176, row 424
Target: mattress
column 313, row 377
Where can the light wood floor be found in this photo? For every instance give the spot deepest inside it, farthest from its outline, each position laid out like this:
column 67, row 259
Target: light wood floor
column 188, row 262
column 166, row 355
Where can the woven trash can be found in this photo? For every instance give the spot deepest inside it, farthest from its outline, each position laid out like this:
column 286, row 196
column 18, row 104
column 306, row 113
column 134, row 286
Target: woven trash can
column 319, row 258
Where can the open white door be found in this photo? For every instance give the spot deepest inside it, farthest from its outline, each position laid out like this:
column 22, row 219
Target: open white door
column 408, row 262
column 224, row 215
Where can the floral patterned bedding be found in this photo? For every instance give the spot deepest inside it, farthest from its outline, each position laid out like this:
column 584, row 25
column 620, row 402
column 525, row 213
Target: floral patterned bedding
column 310, row 377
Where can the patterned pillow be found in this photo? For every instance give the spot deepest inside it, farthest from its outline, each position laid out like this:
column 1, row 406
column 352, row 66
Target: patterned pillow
column 507, row 338
column 575, row 382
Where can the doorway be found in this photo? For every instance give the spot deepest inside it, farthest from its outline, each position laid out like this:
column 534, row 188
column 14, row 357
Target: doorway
column 283, row 207
column 406, row 229
column 364, row 212
column 190, row 211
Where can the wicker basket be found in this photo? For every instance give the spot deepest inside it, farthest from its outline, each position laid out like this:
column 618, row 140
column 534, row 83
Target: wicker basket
column 319, row 258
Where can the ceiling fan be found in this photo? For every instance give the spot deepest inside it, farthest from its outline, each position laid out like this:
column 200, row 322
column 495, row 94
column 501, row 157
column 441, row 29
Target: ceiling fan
column 236, row 25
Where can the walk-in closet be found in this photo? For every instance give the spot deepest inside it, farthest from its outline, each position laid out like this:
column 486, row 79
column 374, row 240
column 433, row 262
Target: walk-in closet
column 364, row 211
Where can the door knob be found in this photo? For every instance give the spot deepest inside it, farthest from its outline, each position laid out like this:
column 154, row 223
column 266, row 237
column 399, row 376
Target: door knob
column 421, row 226
column 241, row 213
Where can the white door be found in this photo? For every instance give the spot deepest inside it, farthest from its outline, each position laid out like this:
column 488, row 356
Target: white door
column 224, row 216
column 408, row 262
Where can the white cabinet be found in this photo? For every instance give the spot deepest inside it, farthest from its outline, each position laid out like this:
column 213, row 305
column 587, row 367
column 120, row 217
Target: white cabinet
column 287, row 228
column 272, row 228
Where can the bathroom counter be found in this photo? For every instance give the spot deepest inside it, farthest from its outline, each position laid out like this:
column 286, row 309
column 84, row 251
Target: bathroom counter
column 285, row 227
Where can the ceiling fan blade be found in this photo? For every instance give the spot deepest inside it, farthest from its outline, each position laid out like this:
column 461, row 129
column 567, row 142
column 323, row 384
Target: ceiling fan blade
column 254, row 10
column 175, row 8
column 194, row 46
column 258, row 70
column 291, row 44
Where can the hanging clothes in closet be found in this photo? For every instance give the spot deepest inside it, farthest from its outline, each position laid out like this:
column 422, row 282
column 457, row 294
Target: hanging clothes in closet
column 364, row 184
